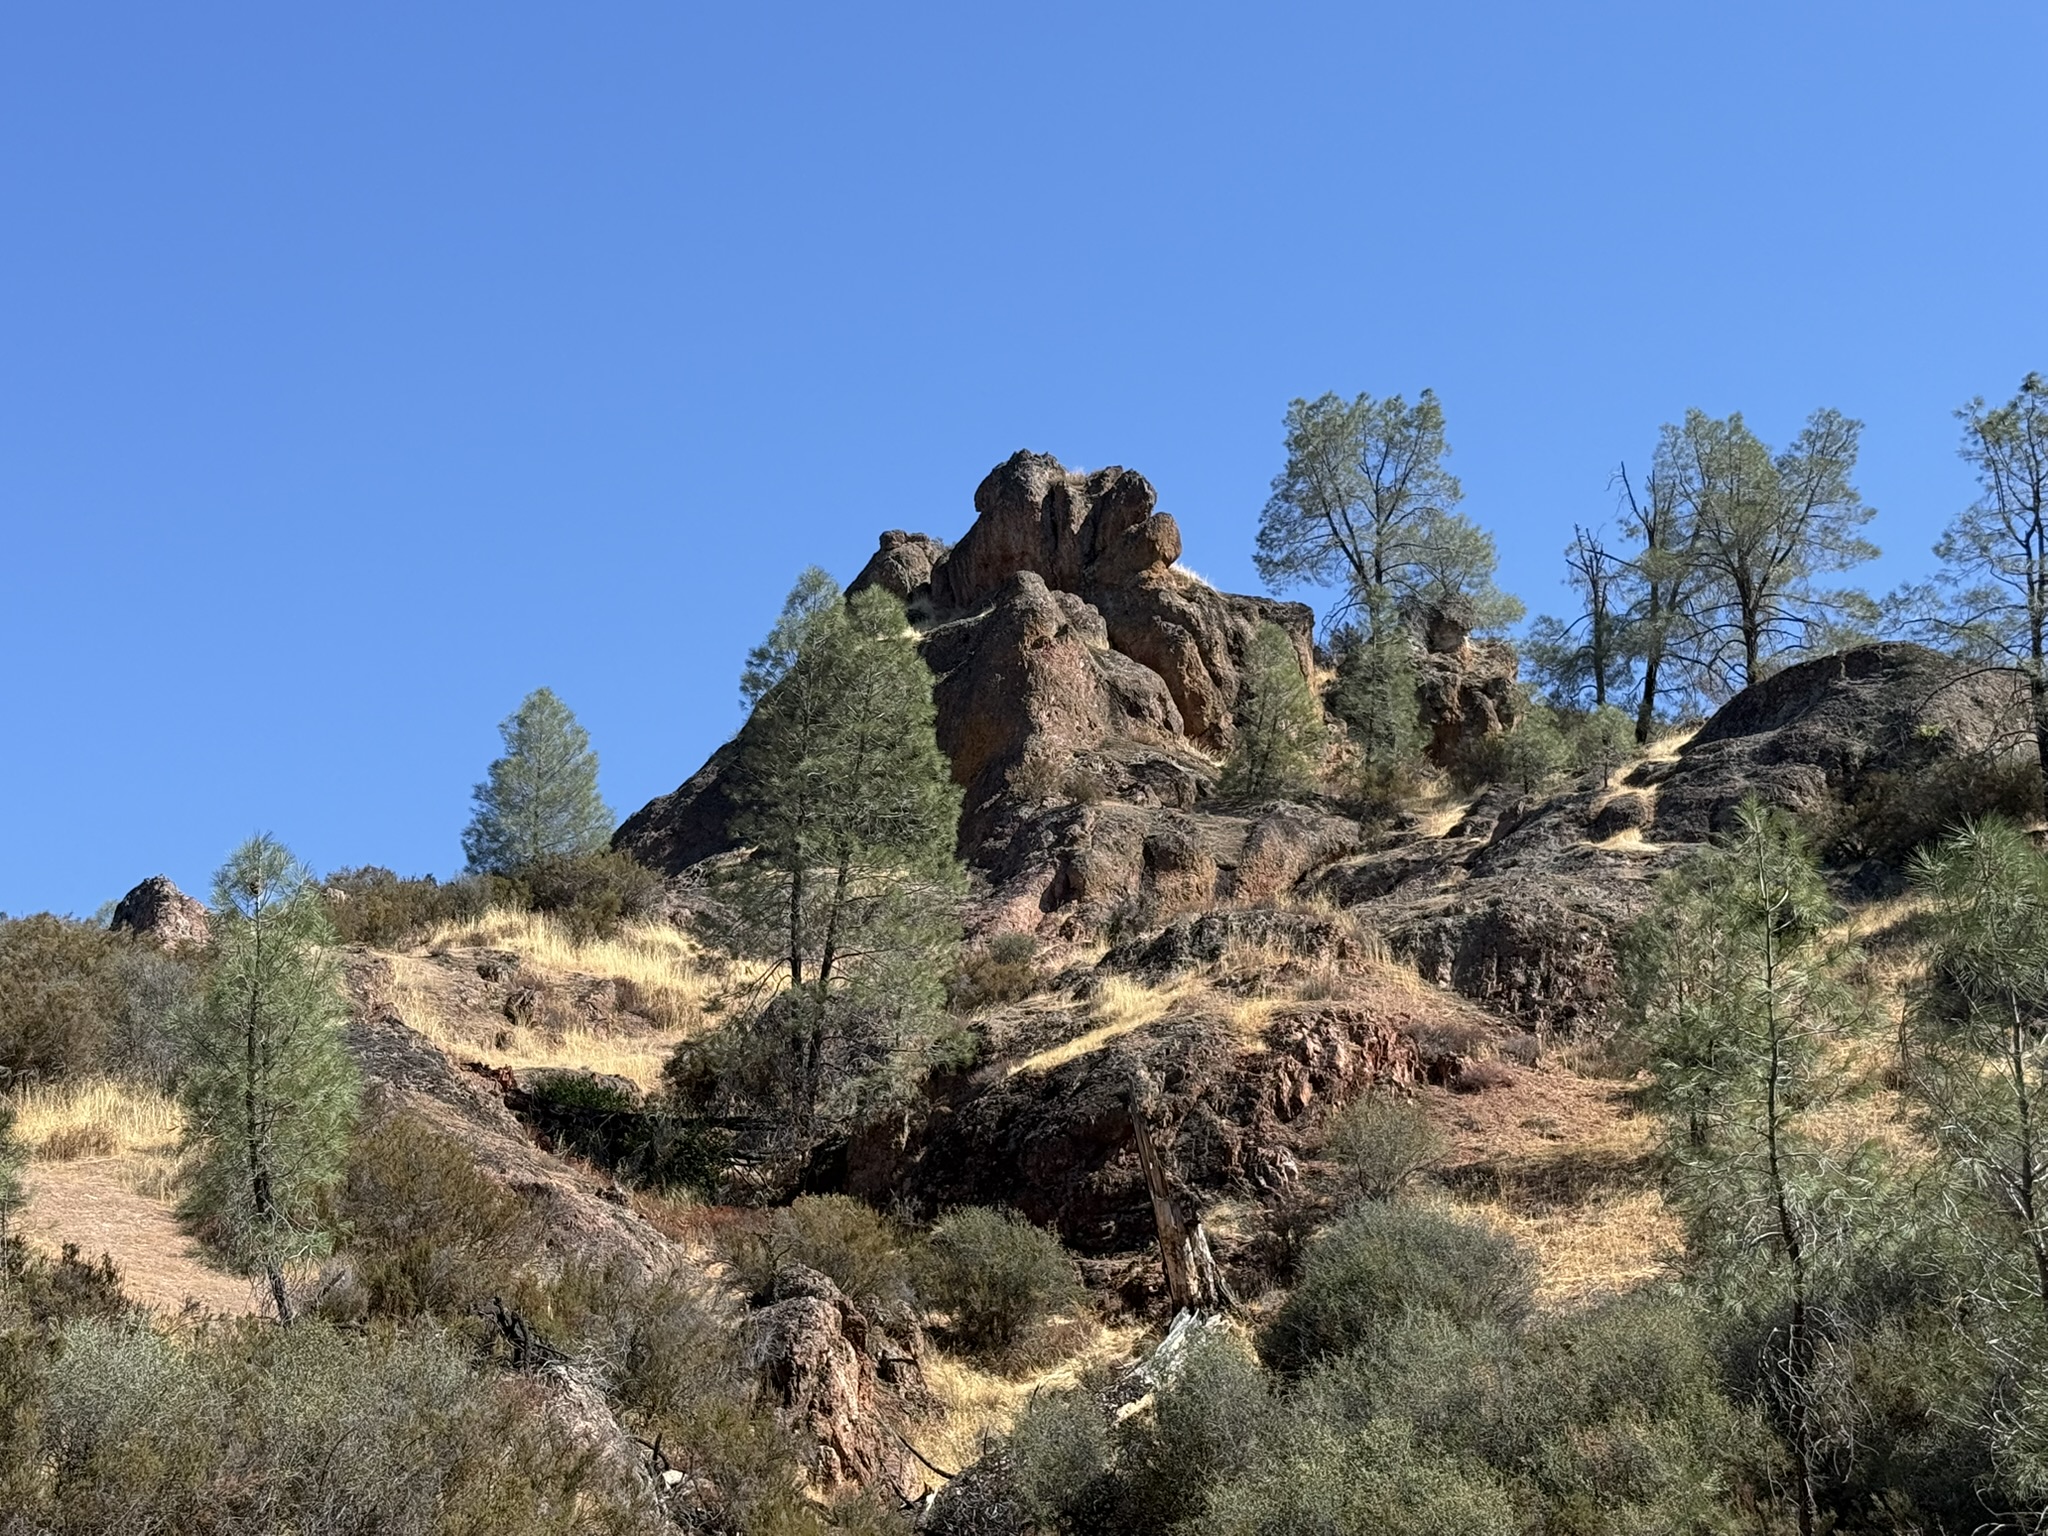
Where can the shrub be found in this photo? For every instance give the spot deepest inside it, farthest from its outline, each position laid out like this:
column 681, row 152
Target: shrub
column 55, row 1291
column 594, row 894
column 1380, row 1142
column 1530, row 756
column 58, row 990
column 860, row 1250
column 252, row 1429
column 1372, row 1482
column 1384, row 1262
column 1059, row 1461
column 156, row 989
column 371, row 905
column 1601, row 741
column 1209, row 1423
column 427, row 1231
column 996, row 1275
column 1894, row 813
column 1000, row 971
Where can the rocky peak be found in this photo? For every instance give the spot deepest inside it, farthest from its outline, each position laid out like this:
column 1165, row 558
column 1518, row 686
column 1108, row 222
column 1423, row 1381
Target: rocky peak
column 158, row 910
column 1076, row 667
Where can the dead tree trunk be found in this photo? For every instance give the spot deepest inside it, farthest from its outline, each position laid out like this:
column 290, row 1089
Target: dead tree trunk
column 1194, row 1282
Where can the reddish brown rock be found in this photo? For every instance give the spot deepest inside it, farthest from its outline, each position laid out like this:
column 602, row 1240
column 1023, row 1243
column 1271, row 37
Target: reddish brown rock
column 158, row 910
column 814, row 1356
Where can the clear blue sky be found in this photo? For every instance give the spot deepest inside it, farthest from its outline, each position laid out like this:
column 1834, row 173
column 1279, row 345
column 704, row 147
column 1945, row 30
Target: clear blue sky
column 364, row 367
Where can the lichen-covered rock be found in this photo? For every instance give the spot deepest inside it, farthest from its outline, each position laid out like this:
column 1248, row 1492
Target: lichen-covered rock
column 156, row 909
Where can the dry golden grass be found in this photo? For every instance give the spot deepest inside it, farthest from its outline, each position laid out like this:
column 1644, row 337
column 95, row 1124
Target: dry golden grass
column 1121, row 1005
column 975, row 1403
column 135, row 1129
column 1612, row 1242
column 637, row 1055
column 669, row 975
column 127, row 1117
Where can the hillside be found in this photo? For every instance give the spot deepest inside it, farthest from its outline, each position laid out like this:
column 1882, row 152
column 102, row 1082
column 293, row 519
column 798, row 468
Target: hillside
column 1245, row 985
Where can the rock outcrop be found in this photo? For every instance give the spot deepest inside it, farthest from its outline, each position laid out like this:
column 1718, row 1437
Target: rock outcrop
column 1465, row 688
column 1084, row 690
column 1054, row 1143
column 158, row 910
column 832, row 1377
column 1821, row 734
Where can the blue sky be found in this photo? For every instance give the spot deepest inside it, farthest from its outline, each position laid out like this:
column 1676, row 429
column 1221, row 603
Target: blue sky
column 363, row 368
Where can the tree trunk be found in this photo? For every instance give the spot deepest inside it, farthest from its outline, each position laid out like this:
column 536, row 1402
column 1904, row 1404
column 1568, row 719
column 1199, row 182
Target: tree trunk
column 1194, row 1281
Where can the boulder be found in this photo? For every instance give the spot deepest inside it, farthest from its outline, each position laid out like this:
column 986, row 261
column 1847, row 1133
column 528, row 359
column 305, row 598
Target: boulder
column 814, row 1357
column 1829, row 731
column 158, row 910
column 901, row 566
column 1055, row 1143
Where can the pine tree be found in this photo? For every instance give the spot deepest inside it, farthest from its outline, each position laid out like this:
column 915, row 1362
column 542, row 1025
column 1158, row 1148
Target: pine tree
column 1978, row 1037
column 270, row 1091
column 1374, row 695
column 541, row 798
column 1990, row 597
column 1365, row 503
column 851, row 813
column 1279, row 742
column 1734, row 983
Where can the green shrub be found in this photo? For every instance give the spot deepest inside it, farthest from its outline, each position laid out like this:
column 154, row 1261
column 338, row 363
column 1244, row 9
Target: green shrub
column 1384, row 1262
column 996, row 1275
column 250, row 1429
column 1380, row 1142
column 371, row 905
column 1601, row 741
column 1058, row 1453
column 861, row 1251
column 1000, row 971
column 1372, row 1481
column 426, row 1231
column 594, row 894
column 156, row 988
column 58, row 991
column 1531, row 756
column 1210, row 1423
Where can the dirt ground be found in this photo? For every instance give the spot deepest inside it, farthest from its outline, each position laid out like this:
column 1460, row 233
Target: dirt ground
column 86, row 1203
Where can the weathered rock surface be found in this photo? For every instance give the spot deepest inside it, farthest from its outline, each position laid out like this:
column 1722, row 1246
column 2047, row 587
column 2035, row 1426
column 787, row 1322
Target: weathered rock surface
column 901, row 566
column 579, row 1216
column 1055, row 1144
column 823, row 1366
column 1817, row 734
column 1084, row 688
column 157, row 909
column 1466, row 688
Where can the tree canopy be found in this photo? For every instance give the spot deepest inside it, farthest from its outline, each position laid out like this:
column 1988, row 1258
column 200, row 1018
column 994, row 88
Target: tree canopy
column 540, row 800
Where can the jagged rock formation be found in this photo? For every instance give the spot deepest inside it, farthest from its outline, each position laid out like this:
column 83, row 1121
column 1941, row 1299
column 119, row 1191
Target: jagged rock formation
column 1465, row 688
column 157, row 909
column 1084, row 694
